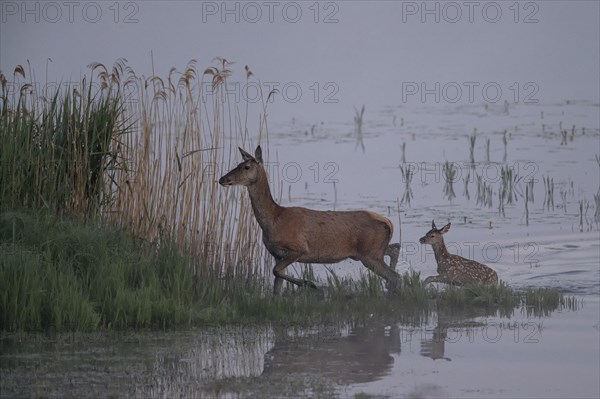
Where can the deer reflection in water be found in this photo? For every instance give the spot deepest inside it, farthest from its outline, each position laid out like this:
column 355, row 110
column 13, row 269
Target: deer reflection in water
column 449, row 328
column 364, row 355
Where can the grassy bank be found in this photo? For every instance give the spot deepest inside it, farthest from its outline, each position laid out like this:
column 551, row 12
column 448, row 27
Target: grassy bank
column 61, row 274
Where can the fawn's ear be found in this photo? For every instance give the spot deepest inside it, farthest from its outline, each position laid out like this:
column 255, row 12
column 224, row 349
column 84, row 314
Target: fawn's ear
column 245, row 155
column 445, row 229
column 258, row 154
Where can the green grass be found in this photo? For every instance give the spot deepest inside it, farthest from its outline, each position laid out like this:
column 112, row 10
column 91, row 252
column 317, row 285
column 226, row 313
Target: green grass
column 66, row 275
column 62, row 274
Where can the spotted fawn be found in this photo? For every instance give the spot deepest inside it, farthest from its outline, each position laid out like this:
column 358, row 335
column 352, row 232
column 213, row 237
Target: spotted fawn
column 454, row 269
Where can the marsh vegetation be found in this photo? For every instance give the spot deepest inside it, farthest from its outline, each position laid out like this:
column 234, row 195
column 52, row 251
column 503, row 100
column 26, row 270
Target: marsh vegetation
column 112, row 216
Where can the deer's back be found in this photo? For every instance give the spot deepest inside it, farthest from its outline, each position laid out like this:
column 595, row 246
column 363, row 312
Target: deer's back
column 328, row 236
column 465, row 271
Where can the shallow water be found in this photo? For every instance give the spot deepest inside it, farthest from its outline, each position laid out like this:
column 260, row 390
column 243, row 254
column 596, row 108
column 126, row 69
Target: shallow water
column 527, row 251
column 445, row 354
column 448, row 354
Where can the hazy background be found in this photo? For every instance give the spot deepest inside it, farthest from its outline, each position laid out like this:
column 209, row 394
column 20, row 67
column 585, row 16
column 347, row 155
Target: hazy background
column 340, row 54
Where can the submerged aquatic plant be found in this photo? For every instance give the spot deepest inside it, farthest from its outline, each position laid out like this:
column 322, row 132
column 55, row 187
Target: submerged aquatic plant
column 505, row 142
column 466, row 186
column 527, row 205
column 541, row 302
column 472, row 138
column 407, row 173
column 548, row 192
column 484, row 192
column 403, row 147
column 597, row 212
column 450, row 175
column 508, row 184
column 358, row 125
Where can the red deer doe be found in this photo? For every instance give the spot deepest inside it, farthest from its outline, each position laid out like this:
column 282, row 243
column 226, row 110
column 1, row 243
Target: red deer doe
column 297, row 234
column 454, row 269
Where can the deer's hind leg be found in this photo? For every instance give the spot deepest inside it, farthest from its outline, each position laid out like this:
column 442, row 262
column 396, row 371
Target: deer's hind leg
column 393, row 251
column 378, row 266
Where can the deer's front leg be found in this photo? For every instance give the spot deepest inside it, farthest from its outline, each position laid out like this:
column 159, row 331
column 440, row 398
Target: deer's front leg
column 280, row 275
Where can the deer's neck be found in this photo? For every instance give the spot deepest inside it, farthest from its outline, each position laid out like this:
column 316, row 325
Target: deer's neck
column 265, row 208
column 440, row 251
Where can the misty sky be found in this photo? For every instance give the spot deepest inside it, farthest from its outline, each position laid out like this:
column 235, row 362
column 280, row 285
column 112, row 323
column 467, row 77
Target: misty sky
column 352, row 52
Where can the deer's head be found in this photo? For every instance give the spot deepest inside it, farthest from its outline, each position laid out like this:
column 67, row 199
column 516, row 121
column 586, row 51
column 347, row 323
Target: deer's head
column 247, row 172
column 434, row 235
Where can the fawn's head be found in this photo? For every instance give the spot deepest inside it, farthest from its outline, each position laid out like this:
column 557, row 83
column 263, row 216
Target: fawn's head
column 247, row 172
column 434, row 235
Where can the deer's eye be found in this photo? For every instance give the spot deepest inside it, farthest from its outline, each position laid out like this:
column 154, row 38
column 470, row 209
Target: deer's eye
column 247, row 167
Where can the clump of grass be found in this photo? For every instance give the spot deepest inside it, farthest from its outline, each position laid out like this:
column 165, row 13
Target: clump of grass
column 466, row 186
column 563, row 196
column 527, row 205
column 484, row 192
column 508, row 183
column 403, row 148
column 504, row 299
column 407, row 175
column 358, row 125
column 597, row 212
column 541, row 302
column 548, row 192
column 500, row 296
column 413, row 289
column 472, row 139
column 409, row 291
column 450, row 175
column 64, row 275
column 58, row 153
column 506, row 193
column 530, row 184
column 505, row 142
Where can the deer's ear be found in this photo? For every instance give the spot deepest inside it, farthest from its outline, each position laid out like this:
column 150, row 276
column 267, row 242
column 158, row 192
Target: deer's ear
column 445, row 229
column 433, row 225
column 245, row 155
column 258, row 154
